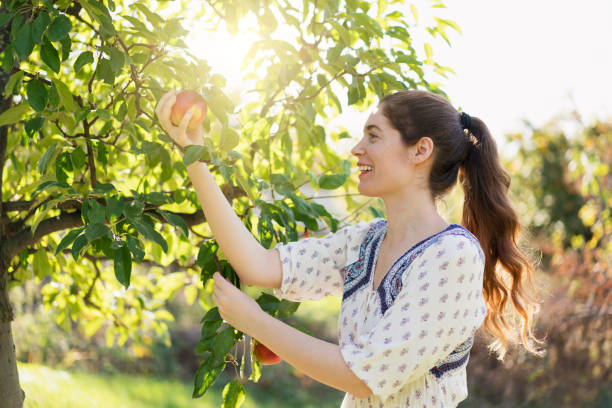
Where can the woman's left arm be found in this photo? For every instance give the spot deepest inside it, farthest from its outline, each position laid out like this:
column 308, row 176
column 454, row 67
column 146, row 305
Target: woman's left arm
column 318, row 359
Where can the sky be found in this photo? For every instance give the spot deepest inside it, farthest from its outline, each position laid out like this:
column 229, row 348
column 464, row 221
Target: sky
column 513, row 60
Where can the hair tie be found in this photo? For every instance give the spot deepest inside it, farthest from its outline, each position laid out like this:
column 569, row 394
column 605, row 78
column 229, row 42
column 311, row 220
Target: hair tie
column 466, row 120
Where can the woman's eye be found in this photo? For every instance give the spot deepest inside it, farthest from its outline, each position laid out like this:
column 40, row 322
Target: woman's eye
column 372, row 135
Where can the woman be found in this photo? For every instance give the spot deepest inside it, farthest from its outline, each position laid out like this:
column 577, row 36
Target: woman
column 414, row 287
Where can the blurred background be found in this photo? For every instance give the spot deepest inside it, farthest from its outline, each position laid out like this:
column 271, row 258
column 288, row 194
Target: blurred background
column 537, row 73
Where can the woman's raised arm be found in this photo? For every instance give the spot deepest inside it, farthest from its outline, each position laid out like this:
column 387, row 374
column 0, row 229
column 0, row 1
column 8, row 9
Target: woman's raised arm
column 254, row 264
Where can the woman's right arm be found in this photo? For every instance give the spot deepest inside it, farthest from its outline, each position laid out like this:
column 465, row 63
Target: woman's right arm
column 254, row 264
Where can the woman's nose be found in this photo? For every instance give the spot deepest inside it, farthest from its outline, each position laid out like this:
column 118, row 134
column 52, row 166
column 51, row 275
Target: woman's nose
column 357, row 150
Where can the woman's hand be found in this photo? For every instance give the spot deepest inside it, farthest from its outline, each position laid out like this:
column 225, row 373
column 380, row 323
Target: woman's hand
column 235, row 307
column 180, row 134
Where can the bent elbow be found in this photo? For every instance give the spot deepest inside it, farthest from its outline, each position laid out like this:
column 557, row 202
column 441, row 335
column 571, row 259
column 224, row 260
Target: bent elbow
column 363, row 392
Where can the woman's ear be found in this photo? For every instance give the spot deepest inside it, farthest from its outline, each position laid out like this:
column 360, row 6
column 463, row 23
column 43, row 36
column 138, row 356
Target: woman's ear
column 422, row 150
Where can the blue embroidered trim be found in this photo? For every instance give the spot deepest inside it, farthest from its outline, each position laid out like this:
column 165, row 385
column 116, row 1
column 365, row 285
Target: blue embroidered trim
column 455, row 360
column 444, row 368
column 391, row 284
column 356, row 276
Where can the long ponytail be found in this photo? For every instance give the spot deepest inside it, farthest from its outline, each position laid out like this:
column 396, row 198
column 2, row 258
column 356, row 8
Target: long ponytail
column 489, row 215
column 471, row 154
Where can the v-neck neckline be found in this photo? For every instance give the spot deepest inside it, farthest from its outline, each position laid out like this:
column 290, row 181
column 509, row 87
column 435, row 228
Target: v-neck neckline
column 382, row 235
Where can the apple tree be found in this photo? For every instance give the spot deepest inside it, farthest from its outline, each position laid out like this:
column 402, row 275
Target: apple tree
column 96, row 203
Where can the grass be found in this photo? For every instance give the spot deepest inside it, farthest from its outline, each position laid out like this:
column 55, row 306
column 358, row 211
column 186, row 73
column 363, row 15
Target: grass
column 52, row 388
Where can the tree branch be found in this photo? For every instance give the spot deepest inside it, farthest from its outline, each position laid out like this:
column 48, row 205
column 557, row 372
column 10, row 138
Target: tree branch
column 25, row 238
column 90, row 159
column 21, row 236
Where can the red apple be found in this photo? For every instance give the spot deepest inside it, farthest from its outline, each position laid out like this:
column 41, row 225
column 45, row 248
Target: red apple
column 264, row 355
column 184, row 101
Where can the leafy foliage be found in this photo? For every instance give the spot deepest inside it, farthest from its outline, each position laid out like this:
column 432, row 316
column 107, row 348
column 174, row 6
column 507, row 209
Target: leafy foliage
column 93, row 178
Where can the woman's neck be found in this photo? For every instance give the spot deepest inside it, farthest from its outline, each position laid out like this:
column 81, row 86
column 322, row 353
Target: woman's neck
column 411, row 218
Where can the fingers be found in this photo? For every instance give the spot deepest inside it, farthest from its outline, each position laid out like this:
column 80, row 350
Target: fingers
column 159, row 110
column 182, row 127
column 217, row 280
column 167, row 108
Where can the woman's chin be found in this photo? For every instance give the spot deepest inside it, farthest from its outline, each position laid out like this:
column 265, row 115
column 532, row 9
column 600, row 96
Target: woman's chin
column 365, row 190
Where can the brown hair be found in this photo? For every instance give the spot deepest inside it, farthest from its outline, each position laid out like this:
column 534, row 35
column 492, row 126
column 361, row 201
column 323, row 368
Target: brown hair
column 487, row 211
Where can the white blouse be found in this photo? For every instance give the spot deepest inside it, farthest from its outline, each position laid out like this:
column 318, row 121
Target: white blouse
column 409, row 340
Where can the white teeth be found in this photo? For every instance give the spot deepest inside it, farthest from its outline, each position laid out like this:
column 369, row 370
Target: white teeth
column 365, row 168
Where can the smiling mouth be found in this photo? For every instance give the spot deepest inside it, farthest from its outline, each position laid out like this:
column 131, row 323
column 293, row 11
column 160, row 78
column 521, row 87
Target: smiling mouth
column 365, row 170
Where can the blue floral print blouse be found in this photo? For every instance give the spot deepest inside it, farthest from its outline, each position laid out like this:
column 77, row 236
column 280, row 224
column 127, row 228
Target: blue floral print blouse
column 409, row 340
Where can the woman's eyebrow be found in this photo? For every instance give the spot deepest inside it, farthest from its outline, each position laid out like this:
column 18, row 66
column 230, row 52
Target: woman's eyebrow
column 370, row 127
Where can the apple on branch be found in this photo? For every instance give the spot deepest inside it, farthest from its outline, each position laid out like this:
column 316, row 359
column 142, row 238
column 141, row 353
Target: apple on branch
column 185, row 100
column 264, row 355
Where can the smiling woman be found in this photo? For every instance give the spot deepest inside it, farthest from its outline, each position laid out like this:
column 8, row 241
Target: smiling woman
column 414, row 288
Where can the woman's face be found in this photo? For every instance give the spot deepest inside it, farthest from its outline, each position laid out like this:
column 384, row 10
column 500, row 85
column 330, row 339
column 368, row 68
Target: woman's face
column 393, row 164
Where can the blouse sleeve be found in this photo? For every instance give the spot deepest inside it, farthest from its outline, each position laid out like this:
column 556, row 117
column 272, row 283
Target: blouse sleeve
column 313, row 268
column 438, row 308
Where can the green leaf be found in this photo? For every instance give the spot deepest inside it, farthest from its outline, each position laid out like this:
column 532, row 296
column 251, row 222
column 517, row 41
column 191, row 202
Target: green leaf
column 210, row 327
column 96, row 213
column 193, row 154
column 10, row 85
column 233, row 394
column 68, row 239
column 287, row 308
column 168, row 285
column 34, row 125
column 60, row 27
column 133, row 209
column 44, row 160
column 65, row 95
column 14, row 114
column 223, row 343
column 123, row 265
column 96, row 231
column 98, row 11
column 54, row 98
column 40, row 264
column 114, row 208
column 331, row 181
column 428, row 51
column 63, row 164
column 5, row 18
column 24, row 42
column 229, row 139
column 175, row 220
column 103, row 114
column 7, row 59
column 84, row 58
column 66, row 44
column 78, row 158
column 104, row 188
column 78, row 244
column 268, row 303
column 49, row 55
column 37, row 95
column 147, row 231
column 153, row 18
column 206, row 375
column 157, row 198
column 105, row 71
column 135, row 248
column 212, row 314
column 206, row 255
column 117, row 60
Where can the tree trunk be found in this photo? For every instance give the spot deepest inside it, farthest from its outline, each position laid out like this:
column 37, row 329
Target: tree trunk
column 11, row 394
